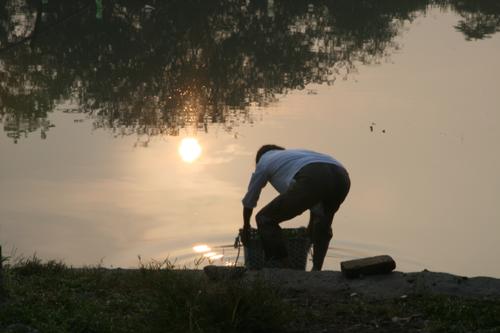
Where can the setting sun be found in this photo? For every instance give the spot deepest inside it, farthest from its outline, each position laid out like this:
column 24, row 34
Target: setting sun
column 190, row 149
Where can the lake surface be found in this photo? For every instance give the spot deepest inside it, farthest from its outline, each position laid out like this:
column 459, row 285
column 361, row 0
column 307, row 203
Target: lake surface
column 95, row 101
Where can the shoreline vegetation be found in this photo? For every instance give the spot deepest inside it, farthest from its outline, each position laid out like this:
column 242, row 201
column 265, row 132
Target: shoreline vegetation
column 162, row 297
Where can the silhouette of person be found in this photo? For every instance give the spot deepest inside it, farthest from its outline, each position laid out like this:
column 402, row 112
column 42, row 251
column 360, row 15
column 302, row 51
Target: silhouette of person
column 305, row 180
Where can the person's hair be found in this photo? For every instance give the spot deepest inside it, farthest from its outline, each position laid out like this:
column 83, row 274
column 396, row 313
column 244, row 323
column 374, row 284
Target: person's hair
column 264, row 149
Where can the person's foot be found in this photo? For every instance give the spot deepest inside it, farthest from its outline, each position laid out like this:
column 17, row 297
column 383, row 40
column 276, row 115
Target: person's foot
column 314, row 269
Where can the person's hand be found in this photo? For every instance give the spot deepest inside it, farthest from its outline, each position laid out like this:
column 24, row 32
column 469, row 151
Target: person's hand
column 245, row 236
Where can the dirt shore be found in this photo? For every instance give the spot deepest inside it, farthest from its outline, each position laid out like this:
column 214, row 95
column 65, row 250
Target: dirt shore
column 382, row 287
column 386, row 286
column 327, row 301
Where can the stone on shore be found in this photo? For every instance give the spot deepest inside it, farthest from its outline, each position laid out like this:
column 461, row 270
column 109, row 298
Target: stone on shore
column 368, row 266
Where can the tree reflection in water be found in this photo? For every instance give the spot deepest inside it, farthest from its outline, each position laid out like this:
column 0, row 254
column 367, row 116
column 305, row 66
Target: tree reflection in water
column 191, row 63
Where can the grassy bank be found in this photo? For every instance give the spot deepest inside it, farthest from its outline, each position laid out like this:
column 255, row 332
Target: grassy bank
column 158, row 297
column 52, row 297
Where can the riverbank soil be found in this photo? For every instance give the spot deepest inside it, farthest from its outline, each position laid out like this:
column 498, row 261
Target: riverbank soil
column 336, row 312
column 395, row 302
column 384, row 286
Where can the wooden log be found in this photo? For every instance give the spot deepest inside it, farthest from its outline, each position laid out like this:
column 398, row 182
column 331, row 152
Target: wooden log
column 367, row 266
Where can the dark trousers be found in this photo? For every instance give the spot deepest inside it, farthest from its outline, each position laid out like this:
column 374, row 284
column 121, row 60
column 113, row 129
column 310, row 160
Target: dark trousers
column 315, row 182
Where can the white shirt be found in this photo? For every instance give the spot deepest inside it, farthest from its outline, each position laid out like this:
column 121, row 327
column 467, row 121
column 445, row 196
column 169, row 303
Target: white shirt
column 279, row 167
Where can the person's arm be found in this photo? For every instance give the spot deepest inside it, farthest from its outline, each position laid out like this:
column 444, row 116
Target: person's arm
column 245, row 232
column 247, row 214
column 257, row 182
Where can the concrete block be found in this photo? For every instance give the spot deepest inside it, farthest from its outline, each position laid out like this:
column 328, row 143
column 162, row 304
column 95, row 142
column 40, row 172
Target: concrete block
column 367, row 266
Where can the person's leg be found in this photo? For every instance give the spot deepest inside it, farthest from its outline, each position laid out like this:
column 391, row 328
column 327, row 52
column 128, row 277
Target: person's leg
column 322, row 224
column 284, row 207
column 322, row 234
column 308, row 190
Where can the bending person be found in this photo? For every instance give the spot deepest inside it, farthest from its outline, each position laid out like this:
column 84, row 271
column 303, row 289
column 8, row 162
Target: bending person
column 305, row 180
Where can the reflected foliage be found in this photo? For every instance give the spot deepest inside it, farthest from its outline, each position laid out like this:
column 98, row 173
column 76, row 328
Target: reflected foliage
column 481, row 18
column 194, row 63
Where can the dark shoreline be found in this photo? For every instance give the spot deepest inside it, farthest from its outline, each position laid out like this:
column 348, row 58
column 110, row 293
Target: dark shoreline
column 385, row 286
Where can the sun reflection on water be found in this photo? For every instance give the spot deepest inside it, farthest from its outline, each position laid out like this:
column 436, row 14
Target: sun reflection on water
column 210, row 255
column 190, row 149
column 217, row 256
column 201, row 248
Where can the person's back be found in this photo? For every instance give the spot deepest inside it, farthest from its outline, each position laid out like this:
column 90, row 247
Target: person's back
column 279, row 168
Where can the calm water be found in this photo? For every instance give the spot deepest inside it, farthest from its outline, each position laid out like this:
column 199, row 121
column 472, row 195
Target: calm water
column 95, row 103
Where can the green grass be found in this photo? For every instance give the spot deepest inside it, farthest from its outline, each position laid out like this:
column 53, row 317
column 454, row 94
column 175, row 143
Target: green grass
column 158, row 297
